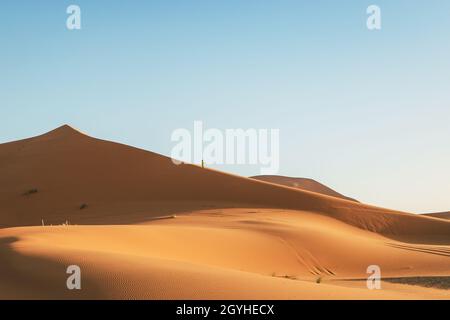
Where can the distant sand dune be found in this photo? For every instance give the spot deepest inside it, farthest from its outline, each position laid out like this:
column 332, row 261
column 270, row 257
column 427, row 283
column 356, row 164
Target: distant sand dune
column 303, row 184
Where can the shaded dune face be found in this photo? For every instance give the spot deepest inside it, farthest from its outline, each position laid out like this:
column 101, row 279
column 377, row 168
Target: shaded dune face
column 66, row 169
column 303, row 184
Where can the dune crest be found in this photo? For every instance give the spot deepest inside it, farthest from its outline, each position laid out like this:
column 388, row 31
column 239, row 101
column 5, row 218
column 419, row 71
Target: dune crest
column 63, row 131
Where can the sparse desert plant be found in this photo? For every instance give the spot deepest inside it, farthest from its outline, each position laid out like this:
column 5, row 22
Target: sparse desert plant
column 30, row 192
column 319, row 280
column 285, row 276
column 83, row 206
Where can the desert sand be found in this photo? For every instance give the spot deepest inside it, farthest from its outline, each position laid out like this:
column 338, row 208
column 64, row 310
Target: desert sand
column 141, row 227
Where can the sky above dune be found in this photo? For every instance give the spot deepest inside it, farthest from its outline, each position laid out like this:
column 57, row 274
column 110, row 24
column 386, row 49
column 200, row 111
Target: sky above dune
column 364, row 112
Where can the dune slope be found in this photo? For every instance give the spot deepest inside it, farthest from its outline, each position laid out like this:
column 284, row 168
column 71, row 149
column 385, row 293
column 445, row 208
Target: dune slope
column 227, row 254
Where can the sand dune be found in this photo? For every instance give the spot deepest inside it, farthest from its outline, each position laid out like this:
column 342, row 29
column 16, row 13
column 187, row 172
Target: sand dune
column 65, row 169
column 232, row 254
column 143, row 227
column 303, row 184
column 441, row 215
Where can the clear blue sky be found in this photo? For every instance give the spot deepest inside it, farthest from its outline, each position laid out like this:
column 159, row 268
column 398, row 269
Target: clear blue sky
column 367, row 113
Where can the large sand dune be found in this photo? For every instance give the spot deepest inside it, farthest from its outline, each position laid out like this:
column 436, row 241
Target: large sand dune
column 143, row 227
